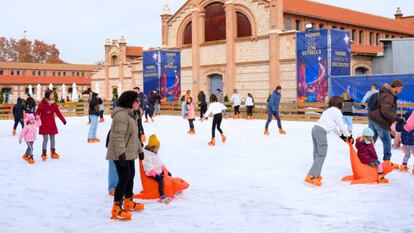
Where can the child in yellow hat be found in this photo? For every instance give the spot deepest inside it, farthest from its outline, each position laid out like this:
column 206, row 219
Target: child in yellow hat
column 154, row 167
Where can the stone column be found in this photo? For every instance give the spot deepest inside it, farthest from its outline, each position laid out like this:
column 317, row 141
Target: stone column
column 195, row 18
column 122, row 61
column 230, row 77
column 106, row 70
column 165, row 16
column 276, row 26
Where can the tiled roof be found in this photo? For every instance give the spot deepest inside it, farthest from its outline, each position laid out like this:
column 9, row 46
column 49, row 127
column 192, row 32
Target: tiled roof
column 346, row 16
column 47, row 66
column 133, row 51
column 27, row 80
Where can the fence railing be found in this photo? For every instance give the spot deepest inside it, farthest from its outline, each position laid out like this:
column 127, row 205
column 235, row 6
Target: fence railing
column 288, row 111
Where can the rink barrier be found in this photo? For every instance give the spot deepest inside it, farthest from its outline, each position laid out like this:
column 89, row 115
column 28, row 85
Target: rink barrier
column 288, row 111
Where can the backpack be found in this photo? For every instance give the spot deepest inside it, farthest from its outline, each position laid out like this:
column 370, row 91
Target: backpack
column 373, row 102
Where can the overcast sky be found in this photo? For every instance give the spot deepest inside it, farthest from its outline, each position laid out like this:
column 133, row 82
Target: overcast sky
column 79, row 27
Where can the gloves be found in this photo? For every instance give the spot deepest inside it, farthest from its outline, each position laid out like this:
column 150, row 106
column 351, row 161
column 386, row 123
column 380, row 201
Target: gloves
column 143, row 138
column 351, row 139
column 345, row 139
column 153, row 173
column 141, row 156
column 122, row 160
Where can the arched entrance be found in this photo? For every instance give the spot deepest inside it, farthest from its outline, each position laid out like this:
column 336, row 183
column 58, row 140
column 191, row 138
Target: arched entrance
column 216, row 82
column 361, row 71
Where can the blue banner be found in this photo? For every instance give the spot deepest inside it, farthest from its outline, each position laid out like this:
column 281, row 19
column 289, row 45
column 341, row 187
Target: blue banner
column 151, row 72
column 170, row 79
column 312, row 66
column 340, row 47
column 357, row 86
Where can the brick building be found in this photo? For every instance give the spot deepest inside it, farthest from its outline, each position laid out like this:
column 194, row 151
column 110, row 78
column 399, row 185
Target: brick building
column 249, row 44
column 15, row 78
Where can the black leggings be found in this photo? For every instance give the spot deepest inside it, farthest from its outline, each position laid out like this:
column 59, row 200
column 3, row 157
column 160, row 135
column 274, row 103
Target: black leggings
column 216, row 123
column 160, row 181
column 203, row 109
column 126, row 174
column 249, row 110
column 236, row 110
column 17, row 121
column 191, row 123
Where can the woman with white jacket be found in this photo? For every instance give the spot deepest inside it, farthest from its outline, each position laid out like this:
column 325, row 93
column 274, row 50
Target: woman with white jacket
column 217, row 109
column 236, row 100
column 249, row 106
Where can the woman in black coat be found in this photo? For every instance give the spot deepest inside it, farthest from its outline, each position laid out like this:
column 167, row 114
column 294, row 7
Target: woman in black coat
column 18, row 115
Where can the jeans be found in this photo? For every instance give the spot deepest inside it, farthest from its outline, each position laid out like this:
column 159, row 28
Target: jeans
column 29, row 150
column 385, row 136
column 348, row 122
column 94, row 126
column 191, row 123
column 270, row 115
column 112, row 176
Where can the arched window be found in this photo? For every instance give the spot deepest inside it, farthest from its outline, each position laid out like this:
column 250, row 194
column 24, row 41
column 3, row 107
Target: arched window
column 215, row 22
column 114, row 61
column 244, row 28
column 361, row 71
column 188, row 34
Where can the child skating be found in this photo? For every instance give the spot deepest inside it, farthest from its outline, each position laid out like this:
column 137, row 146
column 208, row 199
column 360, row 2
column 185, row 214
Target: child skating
column 367, row 154
column 29, row 135
column 190, row 115
column 154, row 167
column 407, row 138
column 330, row 121
column 217, row 109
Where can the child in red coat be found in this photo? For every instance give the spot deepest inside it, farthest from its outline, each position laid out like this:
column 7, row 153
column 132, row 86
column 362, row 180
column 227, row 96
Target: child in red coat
column 367, row 154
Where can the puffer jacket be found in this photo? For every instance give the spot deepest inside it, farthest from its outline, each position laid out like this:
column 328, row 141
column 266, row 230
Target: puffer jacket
column 152, row 162
column 366, row 152
column 386, row 112
column 124, row 135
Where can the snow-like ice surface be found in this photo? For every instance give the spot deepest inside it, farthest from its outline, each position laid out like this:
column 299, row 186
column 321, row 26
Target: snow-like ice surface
column 252, row 184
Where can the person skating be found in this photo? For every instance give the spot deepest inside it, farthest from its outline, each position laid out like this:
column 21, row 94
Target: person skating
column 30, row 106
column 347, row 110
column 190, row 115
column 407, row 138
column 149, row 107
column 202, row 103
column 216, row 108
column 93, row 117
column 140, row 113
column 154, row 167
column 157, row 106
column 124, row 148
column 249, row 106
column 46, row 110
column 29, row 135
column 236, row 100
column 367, row 154
column 18, row 114
column 330, row 121
column 383, row 115
column 101, row 110
column 273, row 110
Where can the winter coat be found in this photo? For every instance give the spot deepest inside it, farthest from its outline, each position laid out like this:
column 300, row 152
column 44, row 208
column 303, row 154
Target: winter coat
column 274, row 102
column 409, row 126
column 347, row 108
column 152, row 162
column 386, row 112
column 249, row 101
column 29, row 131
column 366, row 152
column 202, row 98
column 47, row 112
column 407, row 137
column 215, row 108
column 123, row 138
column 190, row 114
column 18, row 111
column 235, row 99
column 94, row 107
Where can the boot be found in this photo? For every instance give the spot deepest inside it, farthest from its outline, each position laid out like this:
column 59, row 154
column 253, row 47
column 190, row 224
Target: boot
column 130, row 205
column 164, row 199
column 95, row 140
column 31, row 160
column 112, row 192
column 404, row 167
column 53, row 154
column 189, row 131
column 413, row 171
column 193, row 131
column 223, row 138
column 212, row 142
column 26, row 157
column 101, row 120
column 281, row 131
column 382, row 179
column 118, row 213
column 14, row 132
column 317, row 181
column 266, row 132
column 391, row 164
column 89, row 140
column 44, row 156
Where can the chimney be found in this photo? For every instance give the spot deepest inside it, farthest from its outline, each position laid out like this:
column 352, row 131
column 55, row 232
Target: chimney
column 398, row 14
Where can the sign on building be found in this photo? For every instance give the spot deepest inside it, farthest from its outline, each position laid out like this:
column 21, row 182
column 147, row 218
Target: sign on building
column 320, row 54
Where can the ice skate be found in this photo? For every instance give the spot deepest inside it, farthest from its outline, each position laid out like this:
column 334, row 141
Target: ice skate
column 53, row 154
column 130, row 205
column 382, row 179
column 26, row 157
column 281, row 131
column 120, row 214
column 266, row 132
column 164, row 199
column 212, row 142
column 14, row 132
column 394, row 165
column 317, row 181
column 44, row 155
column 404, row 168
column 223, row 138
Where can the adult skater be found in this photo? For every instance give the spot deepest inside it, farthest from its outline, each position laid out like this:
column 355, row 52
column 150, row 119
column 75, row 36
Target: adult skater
column 373, row 90
column 30, row 105
column 18, row 114
column 202, row 103
column 124, row 148
column 236, row 100
column 46, row 110
column 273, row 110
column 217, row 109
column 249, row 106
column 93, row 117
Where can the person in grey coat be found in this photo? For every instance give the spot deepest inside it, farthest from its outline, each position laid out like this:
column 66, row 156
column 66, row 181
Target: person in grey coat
column 273, row 110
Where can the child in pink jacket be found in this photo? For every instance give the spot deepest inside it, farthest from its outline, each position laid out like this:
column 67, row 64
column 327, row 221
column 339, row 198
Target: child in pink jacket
column 29, row 135
column 409, row 126
column 190, row 115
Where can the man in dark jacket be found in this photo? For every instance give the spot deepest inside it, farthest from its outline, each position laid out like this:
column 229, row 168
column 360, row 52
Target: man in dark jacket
column 18, row 115
column 140, row 113
column 203, row 103
column 384, row 115
column 273, row 110
column 30, row 104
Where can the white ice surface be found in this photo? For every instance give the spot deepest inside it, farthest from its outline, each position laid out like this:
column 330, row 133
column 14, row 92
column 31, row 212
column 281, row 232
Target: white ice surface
column 252, row 184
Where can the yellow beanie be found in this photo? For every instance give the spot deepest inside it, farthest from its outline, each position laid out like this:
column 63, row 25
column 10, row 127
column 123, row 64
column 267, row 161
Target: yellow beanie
column 153, row 141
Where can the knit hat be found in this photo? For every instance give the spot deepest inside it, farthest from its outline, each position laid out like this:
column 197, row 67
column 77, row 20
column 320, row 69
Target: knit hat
column 368, row 132
column 397, row 83
column 278, row 88
column 30, row 117
column 153, row 141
